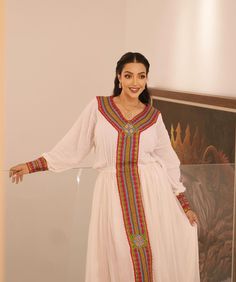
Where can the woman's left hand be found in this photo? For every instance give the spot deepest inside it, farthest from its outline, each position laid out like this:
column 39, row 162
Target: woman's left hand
column 192, row 217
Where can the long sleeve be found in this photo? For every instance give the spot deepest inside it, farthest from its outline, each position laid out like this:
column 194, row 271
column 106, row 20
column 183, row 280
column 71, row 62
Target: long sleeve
column 70, row 151
column 166, row 155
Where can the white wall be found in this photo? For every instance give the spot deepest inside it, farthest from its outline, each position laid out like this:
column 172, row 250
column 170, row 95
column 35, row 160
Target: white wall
column 60, row 54
column 190, row 44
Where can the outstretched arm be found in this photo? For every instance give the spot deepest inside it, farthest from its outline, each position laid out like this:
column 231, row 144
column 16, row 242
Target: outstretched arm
column 17, row 172
column 68, row 152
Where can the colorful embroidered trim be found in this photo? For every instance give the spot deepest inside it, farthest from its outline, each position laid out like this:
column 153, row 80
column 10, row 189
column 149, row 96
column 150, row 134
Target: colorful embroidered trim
column 129, row 184
column 183, row 201
column 39, row 164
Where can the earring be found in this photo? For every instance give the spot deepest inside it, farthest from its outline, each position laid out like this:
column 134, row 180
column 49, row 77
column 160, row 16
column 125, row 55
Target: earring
column 119, row 85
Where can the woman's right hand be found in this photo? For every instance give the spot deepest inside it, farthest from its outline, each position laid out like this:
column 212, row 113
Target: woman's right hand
column 17, row 172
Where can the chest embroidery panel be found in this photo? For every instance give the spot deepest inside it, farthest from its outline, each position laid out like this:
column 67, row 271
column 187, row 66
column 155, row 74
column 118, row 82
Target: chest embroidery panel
column 128, row 182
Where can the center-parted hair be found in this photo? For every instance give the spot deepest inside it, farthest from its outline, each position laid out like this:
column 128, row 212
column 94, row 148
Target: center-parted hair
column 131, row 57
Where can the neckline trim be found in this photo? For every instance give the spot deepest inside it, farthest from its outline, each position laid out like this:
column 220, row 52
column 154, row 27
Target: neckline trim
column 121, row 116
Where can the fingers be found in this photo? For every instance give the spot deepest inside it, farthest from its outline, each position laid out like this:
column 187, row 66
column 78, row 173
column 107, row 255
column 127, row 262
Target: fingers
column 18, row 179
column 195, row 218
column 16, row 175
column 193, row 221
column 13, row 171
column 15, row 178
column 192, row 218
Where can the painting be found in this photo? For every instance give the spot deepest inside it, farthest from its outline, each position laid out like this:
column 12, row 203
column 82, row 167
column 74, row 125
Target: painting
column 204, row 140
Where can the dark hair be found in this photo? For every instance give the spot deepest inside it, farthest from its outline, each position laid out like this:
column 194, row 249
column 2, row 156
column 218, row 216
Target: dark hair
column 131, row 57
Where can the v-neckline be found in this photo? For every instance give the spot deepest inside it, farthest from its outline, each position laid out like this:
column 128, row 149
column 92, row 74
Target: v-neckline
column 121, row 116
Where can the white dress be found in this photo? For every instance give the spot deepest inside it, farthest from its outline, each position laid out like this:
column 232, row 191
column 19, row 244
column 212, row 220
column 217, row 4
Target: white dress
column 138, row 230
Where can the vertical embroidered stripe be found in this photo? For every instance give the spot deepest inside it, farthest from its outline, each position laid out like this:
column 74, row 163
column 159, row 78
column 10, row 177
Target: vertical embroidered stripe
column 128, row 182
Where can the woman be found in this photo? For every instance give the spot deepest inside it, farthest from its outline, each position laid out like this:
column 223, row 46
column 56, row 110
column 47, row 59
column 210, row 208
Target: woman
column 142, row 228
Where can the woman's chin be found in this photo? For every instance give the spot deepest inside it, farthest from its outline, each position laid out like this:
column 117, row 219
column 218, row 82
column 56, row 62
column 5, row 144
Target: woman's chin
column 134, row 94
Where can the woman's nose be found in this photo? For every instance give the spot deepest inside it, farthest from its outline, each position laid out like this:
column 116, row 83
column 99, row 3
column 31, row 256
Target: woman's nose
column 134, row 80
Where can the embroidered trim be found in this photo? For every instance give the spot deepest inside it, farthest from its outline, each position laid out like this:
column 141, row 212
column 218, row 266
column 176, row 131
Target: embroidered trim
column 138, row 240
column 39, row 164
column 129, row 129
column 183, row 201
column 129, row 184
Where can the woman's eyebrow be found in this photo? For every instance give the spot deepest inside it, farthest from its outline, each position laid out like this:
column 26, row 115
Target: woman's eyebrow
column 132, row 73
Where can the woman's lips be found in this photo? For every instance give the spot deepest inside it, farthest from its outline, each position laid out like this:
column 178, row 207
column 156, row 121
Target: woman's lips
column 134, row 89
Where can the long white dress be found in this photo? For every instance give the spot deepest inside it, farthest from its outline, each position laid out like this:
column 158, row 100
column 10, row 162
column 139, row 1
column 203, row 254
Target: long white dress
column 138, row 230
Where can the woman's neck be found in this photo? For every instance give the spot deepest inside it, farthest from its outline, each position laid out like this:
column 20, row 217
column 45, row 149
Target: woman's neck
column 129, row 101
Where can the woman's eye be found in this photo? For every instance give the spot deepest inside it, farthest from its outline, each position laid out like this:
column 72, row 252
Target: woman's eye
column 127, row 75
column 143, row 76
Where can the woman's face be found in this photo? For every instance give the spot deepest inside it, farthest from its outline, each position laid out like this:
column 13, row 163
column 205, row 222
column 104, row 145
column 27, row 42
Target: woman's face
column 133, row 79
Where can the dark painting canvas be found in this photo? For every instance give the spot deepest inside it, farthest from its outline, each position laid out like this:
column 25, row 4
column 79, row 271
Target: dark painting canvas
column 204, row 140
